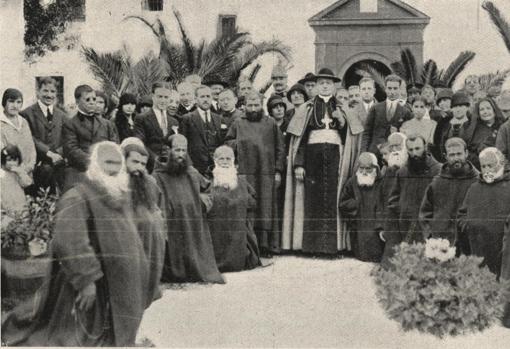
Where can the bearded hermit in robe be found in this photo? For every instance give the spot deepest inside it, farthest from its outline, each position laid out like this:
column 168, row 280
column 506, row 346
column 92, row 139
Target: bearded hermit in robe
column 189, row 255
column 362, row 205
column 145, row 194
column 98, row 287
column 485, row 209
column 311, row 220
column 233, row 200
column 259, row 145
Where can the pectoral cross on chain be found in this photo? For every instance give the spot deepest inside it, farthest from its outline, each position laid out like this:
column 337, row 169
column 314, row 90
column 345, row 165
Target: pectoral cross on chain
column 326, row 120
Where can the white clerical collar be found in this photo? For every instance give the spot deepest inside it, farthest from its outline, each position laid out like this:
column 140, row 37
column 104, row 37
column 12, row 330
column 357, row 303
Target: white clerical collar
column 5, row 119
column 325, row 98
column 82, row 112
column 45, row 107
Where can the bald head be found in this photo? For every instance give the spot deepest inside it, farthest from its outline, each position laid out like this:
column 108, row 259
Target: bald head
column 224, row 156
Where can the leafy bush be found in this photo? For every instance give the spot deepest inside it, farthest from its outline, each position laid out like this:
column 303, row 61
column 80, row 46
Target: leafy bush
column 35, row 222
column 430, row 290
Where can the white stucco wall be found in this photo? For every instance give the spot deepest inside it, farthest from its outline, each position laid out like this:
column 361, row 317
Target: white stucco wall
column 286, row 20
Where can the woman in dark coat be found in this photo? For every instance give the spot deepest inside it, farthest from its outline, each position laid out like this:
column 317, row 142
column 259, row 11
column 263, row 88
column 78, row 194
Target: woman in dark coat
column 125, row 118
column 483, row 129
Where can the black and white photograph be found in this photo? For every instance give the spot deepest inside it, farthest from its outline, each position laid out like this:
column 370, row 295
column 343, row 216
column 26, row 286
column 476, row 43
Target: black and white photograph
column 255, row 173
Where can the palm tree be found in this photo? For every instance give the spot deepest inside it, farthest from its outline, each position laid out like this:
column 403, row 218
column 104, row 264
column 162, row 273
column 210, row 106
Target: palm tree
column 499, row 22
column 225, row 57
column 429, row 73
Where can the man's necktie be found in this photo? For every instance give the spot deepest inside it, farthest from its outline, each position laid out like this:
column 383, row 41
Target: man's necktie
column 164, row 125
column 49, row 115
column 391, row 111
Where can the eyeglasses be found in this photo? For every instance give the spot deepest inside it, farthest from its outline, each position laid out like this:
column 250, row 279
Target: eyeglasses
column 93, row 99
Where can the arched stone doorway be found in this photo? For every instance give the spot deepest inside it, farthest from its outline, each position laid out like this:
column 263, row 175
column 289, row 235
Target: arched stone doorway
column 352, row 75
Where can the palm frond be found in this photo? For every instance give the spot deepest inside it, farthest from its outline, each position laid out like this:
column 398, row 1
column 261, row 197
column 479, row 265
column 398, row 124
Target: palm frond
column 493, row 79
column 409, row 65
column 460, row 63
column 187, row 45
column 152, row 26
column 148, row 70
column 429, row 73
column 371, row 72
column 255, row 71
column 109, row 69
column 499, row 22
column 398, row 68
column 265, row 87
column 251, row 53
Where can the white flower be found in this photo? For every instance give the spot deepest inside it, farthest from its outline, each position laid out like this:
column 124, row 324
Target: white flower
column 439, row 249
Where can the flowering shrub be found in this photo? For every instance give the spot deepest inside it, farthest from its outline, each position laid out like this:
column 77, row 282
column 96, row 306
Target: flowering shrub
column 430, row 290
column 32, row 226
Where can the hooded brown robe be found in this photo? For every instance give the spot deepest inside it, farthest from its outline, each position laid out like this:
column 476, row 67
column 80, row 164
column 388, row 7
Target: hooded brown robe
column 235, row 243
column 189, row 254
column 152, row 230
column 95, row 241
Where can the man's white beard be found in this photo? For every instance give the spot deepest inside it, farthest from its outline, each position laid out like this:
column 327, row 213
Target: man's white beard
column 225, row 177
column 115, row 186
column 398, row 158
column 365, row 180
column 490, row 177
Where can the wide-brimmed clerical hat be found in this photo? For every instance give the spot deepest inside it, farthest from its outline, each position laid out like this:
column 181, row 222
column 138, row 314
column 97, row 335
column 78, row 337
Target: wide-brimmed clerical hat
column 326, row 73
column 308, row 77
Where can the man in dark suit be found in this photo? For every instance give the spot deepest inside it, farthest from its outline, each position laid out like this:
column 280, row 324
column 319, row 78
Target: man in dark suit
column 227, row 101
column 153, row 126
column 384, row 118
column 46, row 121
column 82, row 131
column 202, row 128
column 216, row 86
column 187, row 101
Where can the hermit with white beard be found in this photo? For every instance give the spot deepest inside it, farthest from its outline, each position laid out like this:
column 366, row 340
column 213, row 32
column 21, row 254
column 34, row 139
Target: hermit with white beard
column 361, row 202
column 486, row 207
column 231, row 216
column 99, row 282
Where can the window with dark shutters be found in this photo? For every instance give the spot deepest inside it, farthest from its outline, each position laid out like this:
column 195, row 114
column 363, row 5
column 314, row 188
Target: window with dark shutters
column 152, row 5
column 226, row 25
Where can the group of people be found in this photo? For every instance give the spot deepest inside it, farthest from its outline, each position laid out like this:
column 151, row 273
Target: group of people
column 205, row 179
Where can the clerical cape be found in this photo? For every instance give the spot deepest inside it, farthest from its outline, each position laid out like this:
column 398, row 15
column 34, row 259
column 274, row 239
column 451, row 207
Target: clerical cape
column 311, row 219
column 189, row 254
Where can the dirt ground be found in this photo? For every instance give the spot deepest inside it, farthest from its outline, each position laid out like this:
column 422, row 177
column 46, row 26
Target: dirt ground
column 296, row 302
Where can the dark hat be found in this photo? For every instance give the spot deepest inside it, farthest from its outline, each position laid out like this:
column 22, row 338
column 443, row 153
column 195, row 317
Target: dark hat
column 145, row 101
column 127, row 98
column 275, row 100
column 444, row 93
column 308, row 77
column 460, row 98
column 215, row 80
column 326, row 73
column 297, row 87
column 413, row 89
